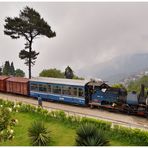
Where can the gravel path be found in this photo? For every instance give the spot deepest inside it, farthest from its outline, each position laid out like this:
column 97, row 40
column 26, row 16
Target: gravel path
column 131, row 121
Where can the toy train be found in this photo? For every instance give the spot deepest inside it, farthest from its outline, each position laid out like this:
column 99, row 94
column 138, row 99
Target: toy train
column 81, row 92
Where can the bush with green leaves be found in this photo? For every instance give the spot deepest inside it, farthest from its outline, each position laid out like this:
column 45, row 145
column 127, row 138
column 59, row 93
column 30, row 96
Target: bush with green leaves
column 39, row 135
column 104, row 125
column 89, row 135
column 135, row 137
column 6, row 123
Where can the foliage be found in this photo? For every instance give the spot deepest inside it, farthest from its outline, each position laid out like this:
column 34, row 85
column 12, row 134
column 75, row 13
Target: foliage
column 116, row 133
column 0, row 70
column 56, row 73
column 132, row 136
column 29, row 25
column 77, row 78
column 119, row 86
column 89, row 135
column 39, row 134
column 7, row 69
column 19, row 73
column 25, row 55
column 53, row 72
column 6, row 123
column 106, row 126
column 68, row 73
column 10, row 70
column 136, row 85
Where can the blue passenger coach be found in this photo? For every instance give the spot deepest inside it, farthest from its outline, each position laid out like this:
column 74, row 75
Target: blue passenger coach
column 63, row 90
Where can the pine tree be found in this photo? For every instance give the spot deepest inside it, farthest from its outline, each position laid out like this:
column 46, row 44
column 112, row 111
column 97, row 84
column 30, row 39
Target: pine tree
column 6, row 69
column 12, row 69
column 69, row 73
column 0, row 70
column 29, row 25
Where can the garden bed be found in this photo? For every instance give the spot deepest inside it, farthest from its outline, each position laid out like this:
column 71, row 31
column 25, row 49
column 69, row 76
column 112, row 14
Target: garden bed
column 63, row 128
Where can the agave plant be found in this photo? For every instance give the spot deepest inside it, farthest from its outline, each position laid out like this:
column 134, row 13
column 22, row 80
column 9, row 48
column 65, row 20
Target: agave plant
column 89, row 135
column 39, row 135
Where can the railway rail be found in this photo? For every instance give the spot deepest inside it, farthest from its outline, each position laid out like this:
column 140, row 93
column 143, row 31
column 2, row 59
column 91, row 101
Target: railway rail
column 115, row 118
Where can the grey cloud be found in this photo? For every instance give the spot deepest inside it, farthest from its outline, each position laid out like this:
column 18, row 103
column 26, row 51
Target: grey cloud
column 87, row 33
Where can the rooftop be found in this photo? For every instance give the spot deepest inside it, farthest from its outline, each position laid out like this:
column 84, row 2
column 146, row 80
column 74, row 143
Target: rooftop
column 3, row 77
column 60, row 81
column 18, row 79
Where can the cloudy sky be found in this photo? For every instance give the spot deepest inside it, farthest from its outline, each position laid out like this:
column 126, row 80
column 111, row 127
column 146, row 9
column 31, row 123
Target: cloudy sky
column 87, row 33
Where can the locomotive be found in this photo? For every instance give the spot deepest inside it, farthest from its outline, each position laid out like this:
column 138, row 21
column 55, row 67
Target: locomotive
column 90, row 93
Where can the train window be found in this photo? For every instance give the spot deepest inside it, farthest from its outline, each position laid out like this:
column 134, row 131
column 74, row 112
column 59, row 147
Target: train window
column 57, row 89
column 34, row 87
column 42, row 87
column 49, row 88
column 74, row 91
column 69, row 91
column 65, row 90
column 81, row 92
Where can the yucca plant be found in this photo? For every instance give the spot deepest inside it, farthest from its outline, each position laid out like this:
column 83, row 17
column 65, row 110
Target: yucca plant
column 89, row 135
column 39, row 135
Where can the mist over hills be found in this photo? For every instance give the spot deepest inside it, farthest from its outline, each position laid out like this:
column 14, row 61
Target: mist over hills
column 118, row 68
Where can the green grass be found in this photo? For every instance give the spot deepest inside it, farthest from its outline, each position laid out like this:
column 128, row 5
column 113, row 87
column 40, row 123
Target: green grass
column 62, row 134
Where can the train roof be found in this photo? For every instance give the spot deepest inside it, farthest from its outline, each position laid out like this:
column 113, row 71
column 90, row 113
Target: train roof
column 4, row 77
column 18, row 79
column 60, row 81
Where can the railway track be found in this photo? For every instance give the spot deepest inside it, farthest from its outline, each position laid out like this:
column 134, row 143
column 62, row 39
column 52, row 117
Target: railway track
column 115, row 118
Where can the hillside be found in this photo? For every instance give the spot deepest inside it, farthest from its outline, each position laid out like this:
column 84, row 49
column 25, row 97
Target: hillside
column 136, row 85
column 118, row 68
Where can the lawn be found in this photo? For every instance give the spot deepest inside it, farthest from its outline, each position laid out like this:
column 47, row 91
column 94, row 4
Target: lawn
column 61, row 133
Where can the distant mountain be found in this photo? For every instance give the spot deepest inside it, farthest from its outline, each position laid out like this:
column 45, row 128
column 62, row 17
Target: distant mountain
column 118, row 68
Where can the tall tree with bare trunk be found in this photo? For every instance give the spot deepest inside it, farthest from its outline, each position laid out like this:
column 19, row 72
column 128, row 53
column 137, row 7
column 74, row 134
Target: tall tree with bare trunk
column 29, row 25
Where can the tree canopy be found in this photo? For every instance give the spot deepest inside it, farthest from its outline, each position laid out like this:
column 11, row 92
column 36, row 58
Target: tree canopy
column 19, row 73
column 9, row 70
column 29, row 25
column 69, row 73
column 136, row 85
column 53, row 72
column 119, row 86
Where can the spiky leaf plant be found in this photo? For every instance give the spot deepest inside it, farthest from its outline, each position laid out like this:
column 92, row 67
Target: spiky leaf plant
column 39, row 135
column 89, row 135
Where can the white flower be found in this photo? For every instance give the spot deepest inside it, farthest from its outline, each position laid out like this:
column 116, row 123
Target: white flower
column 1, row 132
column 1, row 105
column 11, row 131
column 9, row 109
column 18, row 105
column 16, row 121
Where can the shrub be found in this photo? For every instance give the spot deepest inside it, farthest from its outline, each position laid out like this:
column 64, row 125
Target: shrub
column 39, row 135
column 132, row 136
column 89, row 135
column 104, row 125
column 6, row 123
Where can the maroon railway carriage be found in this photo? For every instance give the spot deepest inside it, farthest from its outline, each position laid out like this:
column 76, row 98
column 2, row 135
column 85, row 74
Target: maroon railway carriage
column 17, row 85
column 3, row 83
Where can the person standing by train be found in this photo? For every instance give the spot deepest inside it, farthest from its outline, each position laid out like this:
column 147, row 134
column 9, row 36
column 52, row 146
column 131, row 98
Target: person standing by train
column 39, row 101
